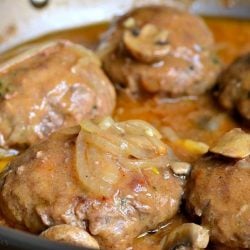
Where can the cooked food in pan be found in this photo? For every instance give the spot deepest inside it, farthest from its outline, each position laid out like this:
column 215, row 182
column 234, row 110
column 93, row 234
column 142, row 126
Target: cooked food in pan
column 142, row 142
column 48, row 87
column 218, row 190
column 112, row 179
column 161, row 49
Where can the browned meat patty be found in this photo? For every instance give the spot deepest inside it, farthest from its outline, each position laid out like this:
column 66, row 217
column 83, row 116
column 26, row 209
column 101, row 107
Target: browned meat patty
column 54, row 85
column 161, row 50
column 219, row 193
column 234, row 87
column 113, row 195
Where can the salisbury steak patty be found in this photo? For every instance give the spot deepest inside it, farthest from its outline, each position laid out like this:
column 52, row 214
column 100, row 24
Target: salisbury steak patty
column 233, row 88
column 50, row 86
column 161, row 50
column 219, row 192
column 80, row 179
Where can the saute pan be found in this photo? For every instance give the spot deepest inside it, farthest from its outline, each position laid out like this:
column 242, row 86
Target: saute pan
column 22, row 20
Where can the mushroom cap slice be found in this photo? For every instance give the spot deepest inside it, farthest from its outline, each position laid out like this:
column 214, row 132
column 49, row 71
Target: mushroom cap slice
column 187, row 236
column 181, row 168
column 234, row 144
column 72, row 235
column 149, row 45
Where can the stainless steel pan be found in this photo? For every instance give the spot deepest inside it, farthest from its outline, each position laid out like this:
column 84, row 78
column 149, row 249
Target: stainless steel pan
column 21, row 21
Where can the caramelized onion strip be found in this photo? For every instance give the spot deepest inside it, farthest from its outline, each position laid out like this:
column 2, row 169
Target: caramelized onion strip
column 105, row 147
column 90, row 181
column 159, row 162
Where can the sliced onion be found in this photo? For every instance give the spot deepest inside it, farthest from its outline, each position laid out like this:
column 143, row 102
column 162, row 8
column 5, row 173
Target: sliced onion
column 158, row 144
column 159, row 162
column 89, row 126
column 103, row 144
column 32, row 51
column 106, row 123
column 104, row 167
column 140, row 147
column 70, row 130
column 126, row 146
column 92, row 183
column 104, row 147
column 145, row 130
column 141, row 127
column 112, row 172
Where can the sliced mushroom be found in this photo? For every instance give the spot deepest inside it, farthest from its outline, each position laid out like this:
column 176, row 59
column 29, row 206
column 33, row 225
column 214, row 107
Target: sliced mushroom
column 187, row 236
column 72, row 235
column 147, row 45
column 181, row 168
column 234, row 144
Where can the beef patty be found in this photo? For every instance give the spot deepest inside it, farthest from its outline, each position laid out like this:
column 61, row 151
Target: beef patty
column 50, row 86
column 160, row 50
column 112, row 195
column 219, row 190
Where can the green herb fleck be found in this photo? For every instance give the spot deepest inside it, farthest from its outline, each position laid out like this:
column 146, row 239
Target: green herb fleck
column 215, row 59
column 5, row 88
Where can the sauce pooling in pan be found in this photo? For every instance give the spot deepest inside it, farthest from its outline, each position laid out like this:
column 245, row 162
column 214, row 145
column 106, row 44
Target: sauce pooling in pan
column 187, row 124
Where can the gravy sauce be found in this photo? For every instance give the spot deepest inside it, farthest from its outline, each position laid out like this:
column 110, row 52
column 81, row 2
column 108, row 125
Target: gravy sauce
column 196, row 118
